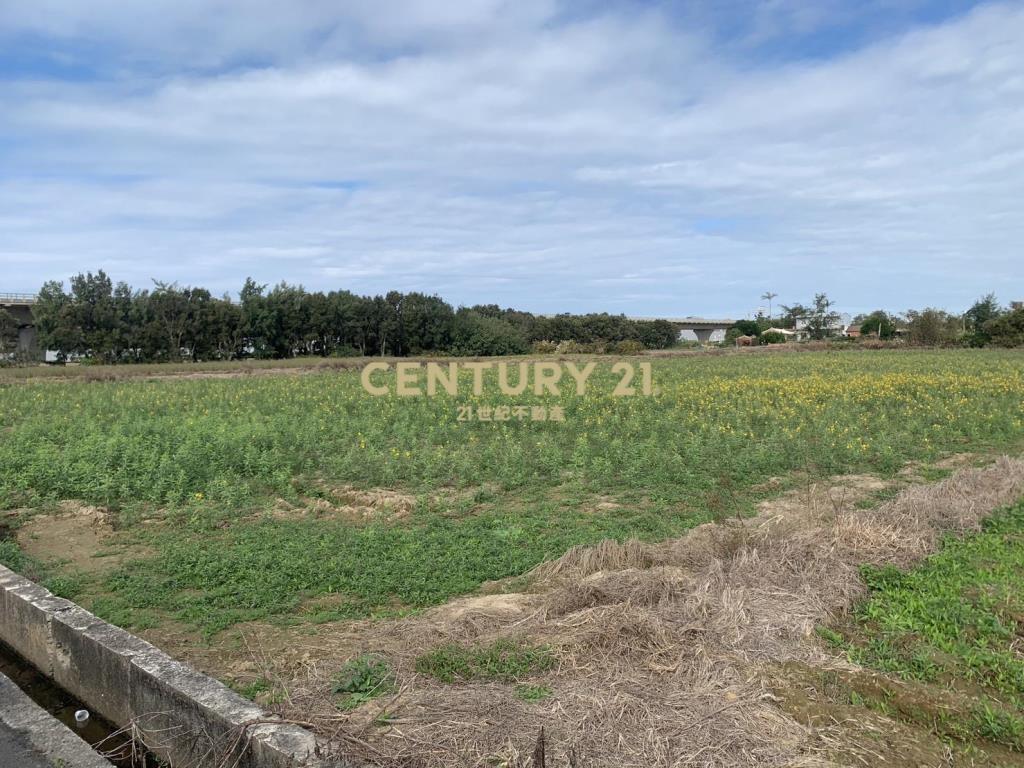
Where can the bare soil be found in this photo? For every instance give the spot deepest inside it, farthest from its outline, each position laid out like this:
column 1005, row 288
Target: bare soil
column 79, row 536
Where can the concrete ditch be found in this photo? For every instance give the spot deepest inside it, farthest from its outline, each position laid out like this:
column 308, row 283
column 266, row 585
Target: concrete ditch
column 31, row 737
column 180, row 714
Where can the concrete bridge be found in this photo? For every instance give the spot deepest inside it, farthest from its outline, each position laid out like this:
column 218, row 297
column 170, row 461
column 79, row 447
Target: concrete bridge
column 696, row 328
column 19, row 306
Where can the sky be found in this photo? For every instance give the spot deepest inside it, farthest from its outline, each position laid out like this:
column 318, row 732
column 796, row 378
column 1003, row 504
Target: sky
column 650, row 158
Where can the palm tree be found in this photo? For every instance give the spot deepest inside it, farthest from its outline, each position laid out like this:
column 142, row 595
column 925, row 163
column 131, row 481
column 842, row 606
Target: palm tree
column 768, row 296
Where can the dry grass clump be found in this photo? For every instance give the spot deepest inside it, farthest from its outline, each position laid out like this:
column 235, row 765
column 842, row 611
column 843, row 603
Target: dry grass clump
column 607, row 555
column 661, row 647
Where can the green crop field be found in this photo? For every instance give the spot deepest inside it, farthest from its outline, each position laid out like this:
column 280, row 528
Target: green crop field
column 254, row 497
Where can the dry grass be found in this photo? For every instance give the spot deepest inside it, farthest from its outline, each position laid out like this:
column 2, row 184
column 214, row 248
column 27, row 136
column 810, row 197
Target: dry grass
column 662, row 648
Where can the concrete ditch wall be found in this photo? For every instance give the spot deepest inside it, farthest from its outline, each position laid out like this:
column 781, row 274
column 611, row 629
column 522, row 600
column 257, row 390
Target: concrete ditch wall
column 31, row 736
column 182, row 715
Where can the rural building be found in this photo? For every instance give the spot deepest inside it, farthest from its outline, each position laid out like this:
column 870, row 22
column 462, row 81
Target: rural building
column 837, row 327
column 787, row 332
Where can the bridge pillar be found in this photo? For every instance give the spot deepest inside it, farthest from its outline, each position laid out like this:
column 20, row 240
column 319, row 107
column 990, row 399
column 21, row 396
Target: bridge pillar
column 703, row 334
column 27, row 338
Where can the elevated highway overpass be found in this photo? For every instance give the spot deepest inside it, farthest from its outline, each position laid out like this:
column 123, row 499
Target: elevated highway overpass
column 700, row 329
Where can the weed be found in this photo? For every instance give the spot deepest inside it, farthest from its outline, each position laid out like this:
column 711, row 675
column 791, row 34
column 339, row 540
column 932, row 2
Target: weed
column 503, row 661
column 363, row 678
column 533, row 692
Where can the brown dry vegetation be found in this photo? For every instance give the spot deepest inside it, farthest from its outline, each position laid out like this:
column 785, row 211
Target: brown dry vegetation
column 697, row 651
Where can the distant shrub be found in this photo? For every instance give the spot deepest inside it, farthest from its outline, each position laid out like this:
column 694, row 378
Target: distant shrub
column 745, row 328
column 628, row 347
column 772, row 337
column 544, row 347
column 475, row 334
column 569, row 347
column 1007, row 330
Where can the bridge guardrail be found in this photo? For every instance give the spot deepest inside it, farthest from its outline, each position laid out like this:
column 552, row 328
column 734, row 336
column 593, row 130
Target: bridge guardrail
column 18, row 298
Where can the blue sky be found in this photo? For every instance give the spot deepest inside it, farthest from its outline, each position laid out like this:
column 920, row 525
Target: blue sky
column 652, row 158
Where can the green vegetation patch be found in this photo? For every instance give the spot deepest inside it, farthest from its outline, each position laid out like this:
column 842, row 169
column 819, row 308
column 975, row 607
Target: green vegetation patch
column 533, row 692
column 213, row 579
column 363, row 678
column 202, row 461
column 503, row 661
column 956, row 622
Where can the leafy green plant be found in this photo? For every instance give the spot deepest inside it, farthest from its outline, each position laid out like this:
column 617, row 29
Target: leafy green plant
column 363, row 678
column 533, row 692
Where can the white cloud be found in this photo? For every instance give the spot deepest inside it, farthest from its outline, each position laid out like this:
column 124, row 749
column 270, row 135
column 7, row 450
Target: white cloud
column 505, row 152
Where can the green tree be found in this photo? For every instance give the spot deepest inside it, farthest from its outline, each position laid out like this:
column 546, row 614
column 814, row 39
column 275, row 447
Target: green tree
column 426, row 323
column 747, row 328
column 255, row 319
column 170, row 313
column 8, row 333
column 878, row 323
column 475, row 334
column 655, row 334
column 95, row 315
column 1007, row 330
column 225, row 330
column 821, row 321
column 932, row 327
column 54, row 320
column 983, row 311
column 790, row 315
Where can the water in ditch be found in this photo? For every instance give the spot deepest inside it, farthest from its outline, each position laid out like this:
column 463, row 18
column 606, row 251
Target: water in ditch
column 103, row 736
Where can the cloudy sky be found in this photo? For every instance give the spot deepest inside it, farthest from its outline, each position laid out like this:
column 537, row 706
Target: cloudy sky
column 652, row 158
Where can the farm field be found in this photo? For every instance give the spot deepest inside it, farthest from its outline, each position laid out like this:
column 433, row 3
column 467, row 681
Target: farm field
column 206, row 512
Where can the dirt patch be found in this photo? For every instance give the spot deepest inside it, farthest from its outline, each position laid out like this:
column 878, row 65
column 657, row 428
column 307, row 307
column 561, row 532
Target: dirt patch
column 80, row 535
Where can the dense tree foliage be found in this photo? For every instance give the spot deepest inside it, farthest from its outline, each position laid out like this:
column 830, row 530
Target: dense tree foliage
column 879, row 323
column 8, row 332
column 984, row 310
column 1007, row 329
column 933, row 327
column 109, row 322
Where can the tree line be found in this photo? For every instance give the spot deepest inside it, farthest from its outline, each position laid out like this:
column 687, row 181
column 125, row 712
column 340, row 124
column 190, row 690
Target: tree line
column 114, row 323
column 985, row 323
